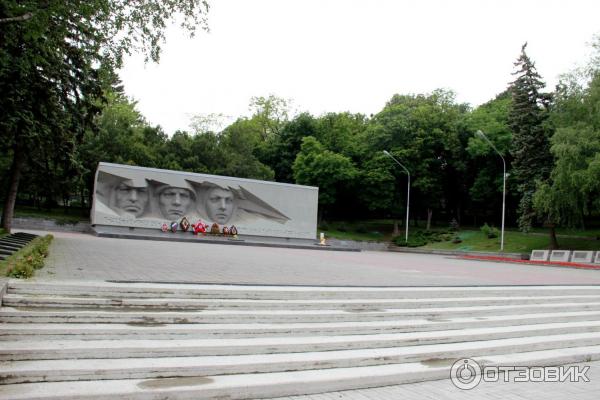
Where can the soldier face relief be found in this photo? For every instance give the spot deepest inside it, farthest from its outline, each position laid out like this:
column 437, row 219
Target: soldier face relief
column 220, row 205
column 131, row 200
column 175, row 203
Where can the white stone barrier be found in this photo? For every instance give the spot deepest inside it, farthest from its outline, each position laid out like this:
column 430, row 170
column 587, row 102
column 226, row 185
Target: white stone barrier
column 582, row 256
column 539, row 255
column 560, row 255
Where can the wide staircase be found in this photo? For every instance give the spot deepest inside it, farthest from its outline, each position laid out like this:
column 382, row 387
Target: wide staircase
column 102, row 340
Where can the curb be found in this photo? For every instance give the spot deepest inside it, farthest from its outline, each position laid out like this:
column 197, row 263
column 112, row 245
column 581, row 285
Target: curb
column 458, row 253
column 540, row 263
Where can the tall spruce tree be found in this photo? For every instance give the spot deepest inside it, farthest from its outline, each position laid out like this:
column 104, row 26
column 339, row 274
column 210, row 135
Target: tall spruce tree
column 528, row 121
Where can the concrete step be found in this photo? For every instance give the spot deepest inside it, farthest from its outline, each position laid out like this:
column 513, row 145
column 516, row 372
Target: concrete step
column 121, row 349
column 25, row 234
column 20, row 300
column 50, row 315
column 278, row 384
column 148, row 330
column 9, row 247
column 153, row 290
column 20, row 242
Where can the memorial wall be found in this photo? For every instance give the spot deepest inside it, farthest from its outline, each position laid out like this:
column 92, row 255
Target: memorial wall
column 138, row 197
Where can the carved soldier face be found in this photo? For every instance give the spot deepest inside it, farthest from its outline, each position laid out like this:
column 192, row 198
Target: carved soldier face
column 220, row 205
column 174, row 202
column 131, row 200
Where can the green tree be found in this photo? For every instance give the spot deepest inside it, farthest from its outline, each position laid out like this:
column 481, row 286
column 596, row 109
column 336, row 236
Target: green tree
column 423, row 131
column 279, row 152
column 573, row 190
column 51, row 58
column 485, row 167
column 271, row 113
column 239, row 143
column 528, row 116
column 330, row 171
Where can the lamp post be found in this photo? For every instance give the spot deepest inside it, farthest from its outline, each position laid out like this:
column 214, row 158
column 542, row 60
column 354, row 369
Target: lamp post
column 407, row 190
column 482, row 135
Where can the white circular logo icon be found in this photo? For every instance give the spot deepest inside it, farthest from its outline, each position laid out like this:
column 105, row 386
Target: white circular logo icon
column 465, row 373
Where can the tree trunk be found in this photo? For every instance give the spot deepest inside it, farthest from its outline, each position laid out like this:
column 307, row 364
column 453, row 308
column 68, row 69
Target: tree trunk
column 553, row 241
column 396, row 231
column 13, row 186
column 429, row 215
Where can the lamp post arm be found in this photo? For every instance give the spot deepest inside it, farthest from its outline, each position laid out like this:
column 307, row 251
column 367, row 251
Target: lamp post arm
column 397, row 162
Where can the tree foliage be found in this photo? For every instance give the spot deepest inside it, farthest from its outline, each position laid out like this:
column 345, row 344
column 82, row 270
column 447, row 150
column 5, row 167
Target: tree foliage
column 330, row 171
column 573, row 191
column 56, row 58
column 530, row 147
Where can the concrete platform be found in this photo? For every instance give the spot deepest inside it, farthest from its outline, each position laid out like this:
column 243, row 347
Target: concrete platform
column 241, row 240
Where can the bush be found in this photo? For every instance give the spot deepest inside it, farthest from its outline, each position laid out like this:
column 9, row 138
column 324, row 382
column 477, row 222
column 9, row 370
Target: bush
column 489, row 231
column 24, row 262
column 412, row 241
column 20, row 269
column 324, row 226
column 422, row 238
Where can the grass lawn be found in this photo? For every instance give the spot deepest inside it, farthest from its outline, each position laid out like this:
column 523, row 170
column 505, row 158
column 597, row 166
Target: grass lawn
column 472, row 238
column 59, row 215
column 514, row 242
column 370, row 230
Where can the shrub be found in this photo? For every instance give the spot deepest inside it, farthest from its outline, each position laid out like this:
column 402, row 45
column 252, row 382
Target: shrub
column 24, row 262
column 412, row 241
column 324, row 226
column 489, row 231
column 20, row 269
column 422, row 238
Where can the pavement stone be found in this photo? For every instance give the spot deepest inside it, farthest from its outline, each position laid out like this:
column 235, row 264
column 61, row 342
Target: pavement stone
column 86, row 257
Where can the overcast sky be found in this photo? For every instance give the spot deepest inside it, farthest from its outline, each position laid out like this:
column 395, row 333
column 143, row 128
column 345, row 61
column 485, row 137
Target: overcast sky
column 353, row 55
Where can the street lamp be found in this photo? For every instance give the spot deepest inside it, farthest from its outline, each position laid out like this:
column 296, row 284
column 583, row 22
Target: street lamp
column 407, row 190
column 482, row 135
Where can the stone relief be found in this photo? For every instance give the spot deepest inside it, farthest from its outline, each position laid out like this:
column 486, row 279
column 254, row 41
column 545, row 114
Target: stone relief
column 138, row 198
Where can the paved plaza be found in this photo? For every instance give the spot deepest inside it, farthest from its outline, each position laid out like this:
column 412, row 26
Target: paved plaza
column 75, row 256
column 85, row 257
